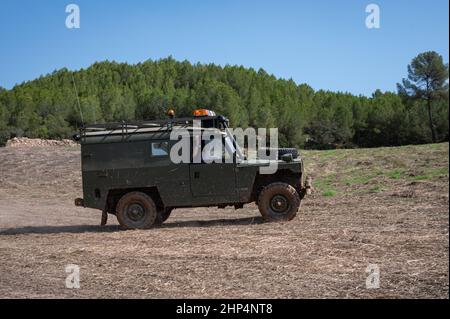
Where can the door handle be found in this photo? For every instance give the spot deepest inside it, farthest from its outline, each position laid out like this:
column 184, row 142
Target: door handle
column 196, row 174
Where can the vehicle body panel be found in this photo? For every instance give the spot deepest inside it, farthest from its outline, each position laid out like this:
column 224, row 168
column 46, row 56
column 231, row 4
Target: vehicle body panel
column 139, row 159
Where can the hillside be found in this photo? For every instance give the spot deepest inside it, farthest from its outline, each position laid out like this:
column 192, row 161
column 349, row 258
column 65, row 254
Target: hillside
column 384, row 206
column 48, row 107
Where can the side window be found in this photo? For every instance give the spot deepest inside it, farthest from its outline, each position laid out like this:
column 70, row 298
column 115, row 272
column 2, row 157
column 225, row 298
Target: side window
column 160, row 148
column 211, row 156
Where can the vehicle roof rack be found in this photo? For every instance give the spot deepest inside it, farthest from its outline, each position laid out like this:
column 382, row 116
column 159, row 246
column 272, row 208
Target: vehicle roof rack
column 124, row 125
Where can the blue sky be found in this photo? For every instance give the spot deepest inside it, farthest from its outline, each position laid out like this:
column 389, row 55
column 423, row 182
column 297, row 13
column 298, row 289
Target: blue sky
column 323, row 43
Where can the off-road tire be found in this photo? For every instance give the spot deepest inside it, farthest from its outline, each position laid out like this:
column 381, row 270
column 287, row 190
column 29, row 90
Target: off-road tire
column 163, row 215
column 136, row 210
column 270, row 198
column 283, row 151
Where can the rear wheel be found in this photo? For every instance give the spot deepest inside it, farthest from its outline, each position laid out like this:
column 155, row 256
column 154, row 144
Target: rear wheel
column 136, row 210
column 278, row 202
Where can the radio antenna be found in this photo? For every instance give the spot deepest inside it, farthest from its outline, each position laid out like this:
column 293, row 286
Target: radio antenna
column 78, row 99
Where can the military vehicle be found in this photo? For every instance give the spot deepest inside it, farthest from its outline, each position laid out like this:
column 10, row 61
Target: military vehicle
column 127, row 171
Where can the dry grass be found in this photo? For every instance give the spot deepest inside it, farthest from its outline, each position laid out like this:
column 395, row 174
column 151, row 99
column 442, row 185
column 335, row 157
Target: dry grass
column 387, row 206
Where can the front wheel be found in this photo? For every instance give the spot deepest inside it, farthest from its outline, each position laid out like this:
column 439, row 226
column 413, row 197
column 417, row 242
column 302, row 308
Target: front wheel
column 136, row 210
column 278, row 202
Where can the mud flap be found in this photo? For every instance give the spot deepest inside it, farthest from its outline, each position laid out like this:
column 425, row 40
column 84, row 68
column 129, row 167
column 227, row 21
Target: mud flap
column 104, row 219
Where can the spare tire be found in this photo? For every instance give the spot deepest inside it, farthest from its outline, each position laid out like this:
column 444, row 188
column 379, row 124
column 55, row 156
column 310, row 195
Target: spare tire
column 281, row 151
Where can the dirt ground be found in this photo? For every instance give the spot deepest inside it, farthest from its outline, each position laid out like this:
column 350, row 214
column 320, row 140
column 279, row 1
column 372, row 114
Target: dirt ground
column 386, row 207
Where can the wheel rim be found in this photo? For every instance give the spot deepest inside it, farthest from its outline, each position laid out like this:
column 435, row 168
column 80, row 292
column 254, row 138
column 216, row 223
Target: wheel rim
column 135, row 212
column 279, row 204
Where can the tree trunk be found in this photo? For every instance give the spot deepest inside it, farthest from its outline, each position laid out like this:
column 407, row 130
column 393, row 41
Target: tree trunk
column 430, row 120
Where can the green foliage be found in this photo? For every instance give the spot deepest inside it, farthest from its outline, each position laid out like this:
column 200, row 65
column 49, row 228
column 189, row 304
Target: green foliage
column 108, row 91
column 377, row 189
column 428, row 82
column 329, row 193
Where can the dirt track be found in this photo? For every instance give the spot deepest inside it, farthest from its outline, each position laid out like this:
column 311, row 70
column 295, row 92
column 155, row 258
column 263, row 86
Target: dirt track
column 395, row 217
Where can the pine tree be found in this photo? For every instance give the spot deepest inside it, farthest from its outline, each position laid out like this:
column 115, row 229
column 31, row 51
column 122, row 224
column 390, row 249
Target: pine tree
column 427, row 80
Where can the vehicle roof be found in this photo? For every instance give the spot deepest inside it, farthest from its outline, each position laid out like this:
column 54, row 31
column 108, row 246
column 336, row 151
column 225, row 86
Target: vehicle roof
column 151, row 126
column 147, row 130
